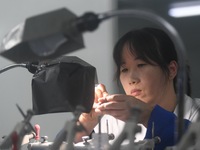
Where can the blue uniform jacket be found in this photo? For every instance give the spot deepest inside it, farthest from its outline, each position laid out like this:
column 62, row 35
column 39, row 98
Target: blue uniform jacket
column 164, row 127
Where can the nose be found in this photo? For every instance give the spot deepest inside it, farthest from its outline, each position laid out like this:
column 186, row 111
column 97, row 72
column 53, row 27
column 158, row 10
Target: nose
column 133, row 78
column 132, row 81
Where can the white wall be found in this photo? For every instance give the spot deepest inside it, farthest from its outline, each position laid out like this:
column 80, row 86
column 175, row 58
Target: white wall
column 15, row 84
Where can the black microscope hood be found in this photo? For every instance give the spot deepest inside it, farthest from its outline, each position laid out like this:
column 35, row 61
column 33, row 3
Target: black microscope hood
column 63, row 84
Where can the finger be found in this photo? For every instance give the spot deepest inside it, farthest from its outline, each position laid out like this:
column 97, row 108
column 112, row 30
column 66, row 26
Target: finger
column 113, row 105
column 103, row 89
column 98, row 93
column 111, row 98
column 102, row 100
column 119, row 114
column 115, row 97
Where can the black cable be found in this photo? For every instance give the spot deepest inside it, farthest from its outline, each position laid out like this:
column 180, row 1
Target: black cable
column 32, row 67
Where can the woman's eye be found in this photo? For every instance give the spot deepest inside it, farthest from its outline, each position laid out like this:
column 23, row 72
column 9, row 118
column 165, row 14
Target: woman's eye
column 141, row 65
column 124, row 69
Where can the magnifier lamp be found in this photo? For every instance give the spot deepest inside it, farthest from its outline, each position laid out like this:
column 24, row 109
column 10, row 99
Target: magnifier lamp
column 59, row 32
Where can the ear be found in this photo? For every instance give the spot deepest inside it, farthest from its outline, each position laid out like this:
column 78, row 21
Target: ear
column 173, row 68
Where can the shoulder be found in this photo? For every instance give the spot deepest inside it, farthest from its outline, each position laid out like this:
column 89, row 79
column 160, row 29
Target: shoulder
column 192, row 108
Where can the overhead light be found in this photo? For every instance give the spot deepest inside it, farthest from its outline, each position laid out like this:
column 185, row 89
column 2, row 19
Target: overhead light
column 184, row 9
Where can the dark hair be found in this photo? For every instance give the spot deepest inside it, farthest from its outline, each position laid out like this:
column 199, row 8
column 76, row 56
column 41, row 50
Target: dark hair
column 149, row 44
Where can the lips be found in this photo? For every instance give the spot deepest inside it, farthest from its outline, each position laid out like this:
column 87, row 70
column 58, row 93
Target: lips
column 135, row 92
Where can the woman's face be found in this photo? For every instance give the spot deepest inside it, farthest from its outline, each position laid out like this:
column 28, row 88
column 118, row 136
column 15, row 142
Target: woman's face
column 142, row 80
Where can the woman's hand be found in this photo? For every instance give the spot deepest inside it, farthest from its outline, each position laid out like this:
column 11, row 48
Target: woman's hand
column 119, row 106
column 90, row 120
column 100, row 92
